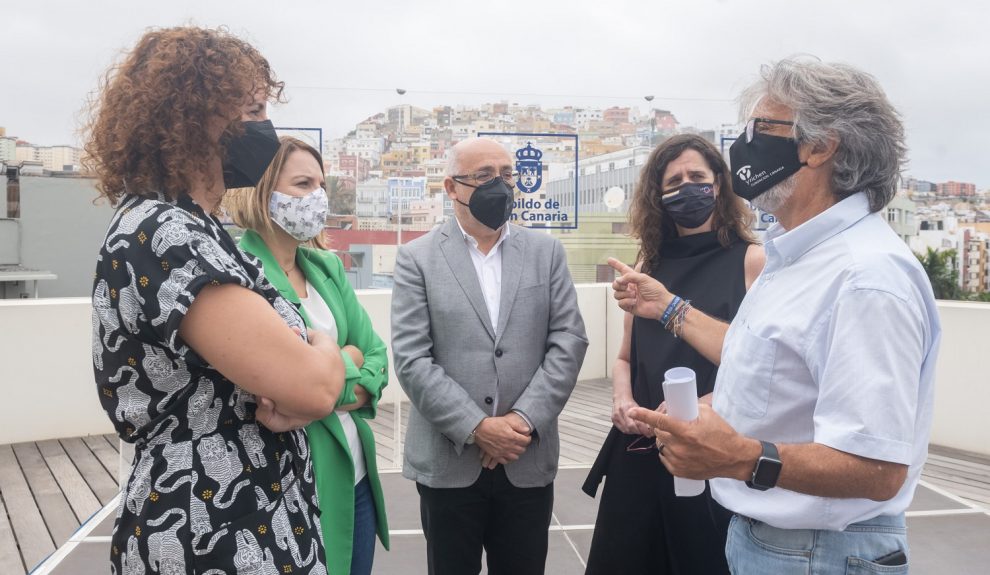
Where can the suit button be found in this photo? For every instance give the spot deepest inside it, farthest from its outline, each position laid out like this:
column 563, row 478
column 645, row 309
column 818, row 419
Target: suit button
column 498, row 353
column 489, row 400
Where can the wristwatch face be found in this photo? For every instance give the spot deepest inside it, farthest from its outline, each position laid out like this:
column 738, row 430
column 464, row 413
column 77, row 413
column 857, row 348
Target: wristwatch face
column 767, row 468
column 766, row 473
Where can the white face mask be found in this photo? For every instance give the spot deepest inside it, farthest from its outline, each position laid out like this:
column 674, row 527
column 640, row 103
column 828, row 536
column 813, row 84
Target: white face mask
column 301, row 217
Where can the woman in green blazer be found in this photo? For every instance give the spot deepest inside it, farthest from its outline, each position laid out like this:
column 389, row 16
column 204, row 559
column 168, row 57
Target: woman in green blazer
column 284, row 217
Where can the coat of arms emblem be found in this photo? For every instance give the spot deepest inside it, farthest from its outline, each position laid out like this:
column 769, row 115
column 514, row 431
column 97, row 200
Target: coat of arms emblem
column 530, row 168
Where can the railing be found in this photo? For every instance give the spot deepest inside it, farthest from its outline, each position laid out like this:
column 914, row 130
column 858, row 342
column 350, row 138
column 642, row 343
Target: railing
column 46, row 370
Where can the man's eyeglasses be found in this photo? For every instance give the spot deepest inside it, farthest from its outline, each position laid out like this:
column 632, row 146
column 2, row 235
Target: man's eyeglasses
column 641, row 445
column 751, row 126
column 484, row 176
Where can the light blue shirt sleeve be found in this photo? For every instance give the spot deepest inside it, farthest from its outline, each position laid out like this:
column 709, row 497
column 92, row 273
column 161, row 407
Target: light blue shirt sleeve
column 867, row 358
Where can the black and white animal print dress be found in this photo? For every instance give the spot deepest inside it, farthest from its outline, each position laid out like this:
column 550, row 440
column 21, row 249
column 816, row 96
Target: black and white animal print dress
column 211, row 491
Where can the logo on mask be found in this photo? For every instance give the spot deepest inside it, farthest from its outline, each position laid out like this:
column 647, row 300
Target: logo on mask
column 530, row 168
column 744, row 172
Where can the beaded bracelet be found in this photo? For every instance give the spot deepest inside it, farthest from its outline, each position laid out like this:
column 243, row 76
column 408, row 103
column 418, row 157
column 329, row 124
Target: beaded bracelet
column 678, row 312
column 670, row 310
column 679, row 323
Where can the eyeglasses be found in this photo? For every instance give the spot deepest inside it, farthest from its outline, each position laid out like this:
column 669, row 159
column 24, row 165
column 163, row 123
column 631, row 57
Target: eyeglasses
column 751, row 126
column 485, row 176
column 641, row 445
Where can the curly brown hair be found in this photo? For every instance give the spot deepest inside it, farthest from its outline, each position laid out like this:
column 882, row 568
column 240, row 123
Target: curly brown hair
column 652, row 225
column 151, row 120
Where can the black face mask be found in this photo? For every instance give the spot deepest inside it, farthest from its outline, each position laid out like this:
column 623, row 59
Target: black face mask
column 249, row 155
column 762, row 163
column 690, row 204
column 491, row 202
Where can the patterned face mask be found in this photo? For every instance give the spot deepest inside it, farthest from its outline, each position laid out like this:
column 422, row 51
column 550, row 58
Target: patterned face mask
column 301, row 217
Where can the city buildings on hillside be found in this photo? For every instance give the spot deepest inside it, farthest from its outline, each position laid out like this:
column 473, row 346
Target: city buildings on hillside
column 389, row 172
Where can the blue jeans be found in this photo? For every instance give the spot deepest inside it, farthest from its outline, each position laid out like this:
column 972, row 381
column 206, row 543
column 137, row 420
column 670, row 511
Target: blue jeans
column 365, row 529
column 753, row 547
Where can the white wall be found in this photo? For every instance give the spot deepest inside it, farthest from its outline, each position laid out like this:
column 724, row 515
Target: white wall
column 592, row 299
column 46, row 370
column 46, row 366
column 962, row 378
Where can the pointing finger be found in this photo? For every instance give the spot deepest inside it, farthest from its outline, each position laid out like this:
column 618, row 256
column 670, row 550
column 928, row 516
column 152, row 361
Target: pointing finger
column 619, row 266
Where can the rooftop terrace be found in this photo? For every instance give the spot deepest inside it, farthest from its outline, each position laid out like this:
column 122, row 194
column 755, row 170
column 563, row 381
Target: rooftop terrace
column 59, row 469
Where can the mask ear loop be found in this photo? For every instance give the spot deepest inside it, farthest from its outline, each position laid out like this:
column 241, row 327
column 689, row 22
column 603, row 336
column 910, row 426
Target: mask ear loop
column 463, row 184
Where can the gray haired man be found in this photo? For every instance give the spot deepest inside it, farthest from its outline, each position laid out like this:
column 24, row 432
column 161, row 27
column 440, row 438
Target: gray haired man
column 822, row 408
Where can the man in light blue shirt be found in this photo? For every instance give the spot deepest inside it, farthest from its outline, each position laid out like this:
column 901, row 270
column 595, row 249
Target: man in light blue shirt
column 820, row 419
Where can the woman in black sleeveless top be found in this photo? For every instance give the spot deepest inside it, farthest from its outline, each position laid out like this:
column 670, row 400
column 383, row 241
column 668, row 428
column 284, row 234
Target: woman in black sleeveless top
column 694, row 238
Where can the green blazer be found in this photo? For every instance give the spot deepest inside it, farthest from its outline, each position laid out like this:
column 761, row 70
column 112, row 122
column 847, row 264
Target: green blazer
column 332, row 461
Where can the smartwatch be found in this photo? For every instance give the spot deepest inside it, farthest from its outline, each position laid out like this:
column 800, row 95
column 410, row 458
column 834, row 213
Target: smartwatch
column 767, row 468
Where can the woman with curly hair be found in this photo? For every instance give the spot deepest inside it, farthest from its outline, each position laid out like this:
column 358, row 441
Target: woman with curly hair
column 694, row 237
column 198, row 360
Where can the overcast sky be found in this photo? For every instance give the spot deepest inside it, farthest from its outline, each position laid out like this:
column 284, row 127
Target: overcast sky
column 341, row 61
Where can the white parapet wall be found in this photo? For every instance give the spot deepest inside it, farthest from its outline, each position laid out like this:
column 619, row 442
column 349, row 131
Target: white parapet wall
column 962, row 378
column 46, row 369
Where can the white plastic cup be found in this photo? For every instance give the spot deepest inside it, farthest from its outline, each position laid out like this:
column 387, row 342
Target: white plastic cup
column 680, row 391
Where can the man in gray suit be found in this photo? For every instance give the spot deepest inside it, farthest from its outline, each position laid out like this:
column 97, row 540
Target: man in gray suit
column 487, row 340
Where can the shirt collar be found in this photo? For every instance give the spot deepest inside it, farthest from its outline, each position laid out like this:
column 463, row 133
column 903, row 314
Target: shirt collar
column 790, row 245
column 470, row 239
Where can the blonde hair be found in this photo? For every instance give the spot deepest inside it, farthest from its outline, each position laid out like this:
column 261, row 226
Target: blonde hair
column 248, row 207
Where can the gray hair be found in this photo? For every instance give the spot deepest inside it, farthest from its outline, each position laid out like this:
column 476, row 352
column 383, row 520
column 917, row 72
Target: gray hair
column 839, row 101
column 453, row 161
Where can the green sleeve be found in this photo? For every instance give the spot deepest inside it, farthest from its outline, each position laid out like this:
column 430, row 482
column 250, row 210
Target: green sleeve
column 351, row 378
column 373, row 375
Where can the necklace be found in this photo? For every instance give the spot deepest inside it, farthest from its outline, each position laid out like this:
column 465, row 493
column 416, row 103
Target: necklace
column 287, row 271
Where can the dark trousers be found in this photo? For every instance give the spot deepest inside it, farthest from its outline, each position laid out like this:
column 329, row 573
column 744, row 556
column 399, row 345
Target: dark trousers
column 643, row 528
column 510, row 523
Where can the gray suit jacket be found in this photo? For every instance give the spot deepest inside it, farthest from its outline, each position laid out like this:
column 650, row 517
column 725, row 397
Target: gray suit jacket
column 450, row 360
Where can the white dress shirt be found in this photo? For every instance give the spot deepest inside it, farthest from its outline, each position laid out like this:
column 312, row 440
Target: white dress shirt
column 322, row 319
column 835, row 344
column 489, row 269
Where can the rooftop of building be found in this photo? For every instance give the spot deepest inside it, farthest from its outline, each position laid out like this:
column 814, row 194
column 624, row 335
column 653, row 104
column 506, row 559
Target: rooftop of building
column 59, row 469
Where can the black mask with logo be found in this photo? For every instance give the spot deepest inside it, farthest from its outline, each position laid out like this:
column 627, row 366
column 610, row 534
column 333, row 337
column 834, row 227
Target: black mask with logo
column 690, row 204
column 249, row 154
column 491, row 202
column 762, row 163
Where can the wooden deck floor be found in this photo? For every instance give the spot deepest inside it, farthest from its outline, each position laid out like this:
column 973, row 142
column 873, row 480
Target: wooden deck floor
column 48, row 488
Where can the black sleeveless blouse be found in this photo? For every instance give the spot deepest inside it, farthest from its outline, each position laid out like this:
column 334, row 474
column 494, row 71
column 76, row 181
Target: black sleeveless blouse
column 699, row 269
column 713, row 277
